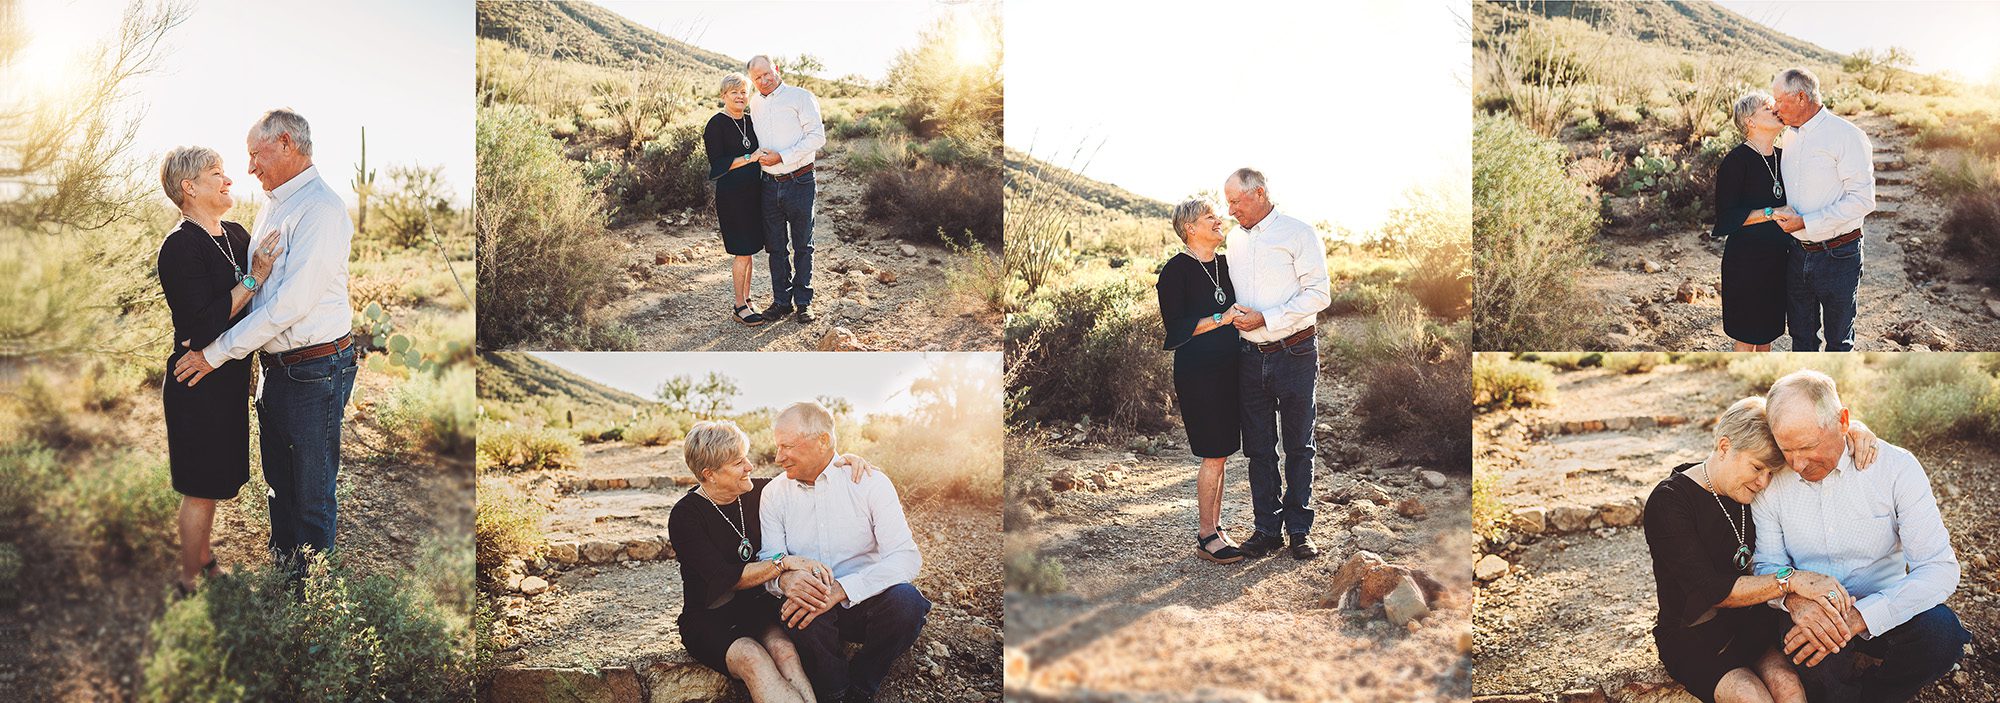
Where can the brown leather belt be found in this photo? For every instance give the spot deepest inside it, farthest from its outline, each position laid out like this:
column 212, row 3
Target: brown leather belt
column 1835, row 242
column 306, row 353
column 802, row 170
column 1294, row 340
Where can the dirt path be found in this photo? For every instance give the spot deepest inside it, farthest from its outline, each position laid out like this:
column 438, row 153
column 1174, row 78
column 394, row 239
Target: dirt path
column 1144, row 619
column 613, row 591
column 1905, row 281
column 1574, row 607
column 891, row 294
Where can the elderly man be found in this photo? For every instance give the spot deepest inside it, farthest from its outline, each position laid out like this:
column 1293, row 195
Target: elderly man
column 789, row 129
column 1878, row 532
column 300, row 320
column 1278, row 267
column 857, row 528
column 1829, row 180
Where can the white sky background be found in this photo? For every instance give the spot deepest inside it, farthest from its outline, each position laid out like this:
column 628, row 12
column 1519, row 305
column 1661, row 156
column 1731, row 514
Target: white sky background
column 403, row 69
column 875, row 382
column 1941, row 36
column 849, row 37
column 1343, row 106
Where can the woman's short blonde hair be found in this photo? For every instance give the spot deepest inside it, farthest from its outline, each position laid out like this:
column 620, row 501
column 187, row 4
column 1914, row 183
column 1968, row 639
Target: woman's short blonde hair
column 1187, row 212
column 1748, row 428
column 732, row 81
column 713, row 445
column 185, row 163
column 1747, row 107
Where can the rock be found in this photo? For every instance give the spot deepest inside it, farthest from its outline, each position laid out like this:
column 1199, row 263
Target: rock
column 1570, row 518
column 1015, row 667
column 1405, row 602
column 854, row 264
column 1432, row 479
column 1464, row 643
column 534, row 585
column 1490, row 567
column 939, row 651
column 1108, row 478
column 563, row 553
column 885, row 276
column 1067, row 479
column 514, row 580
column 662, row 259
column 1411, row 508
column 1581, row 695
column 1993, row 306
column 1650, row 266
column 1690, row 291
column 1912, row 332
column 1624, row 513
column 1362, row 490
column 1532, row 521
column 1373, row 536
column 907, row 250
column 840, row 339
column 511, row 685
column 601, row 552
column 680, row 682
column 643, row 549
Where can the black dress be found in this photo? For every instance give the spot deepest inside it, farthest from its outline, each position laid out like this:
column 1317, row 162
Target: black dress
column 1205, row 383
column 1694, row 550
column 208, row 424
column 739, row 208
column 1754, row 297
column 705, row 541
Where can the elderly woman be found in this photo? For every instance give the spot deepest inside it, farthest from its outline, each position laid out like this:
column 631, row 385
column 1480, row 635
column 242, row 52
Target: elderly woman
column 1196, row 304
column 731, row 144
column 1714, row 633
column 208, row 276
column 1749, row 203
column 728, row 621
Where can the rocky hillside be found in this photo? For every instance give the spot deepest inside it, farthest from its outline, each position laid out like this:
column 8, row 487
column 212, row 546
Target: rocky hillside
column 1028, row 174
column 1698, row 27
column 508, row 378
column 586, row 33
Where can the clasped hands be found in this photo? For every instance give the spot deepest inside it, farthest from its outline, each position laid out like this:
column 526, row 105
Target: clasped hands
column 1243, row 318
column 766, row 157
column 1823, row 618
column 194, row 365
column 810, row 590
column 1788, row 219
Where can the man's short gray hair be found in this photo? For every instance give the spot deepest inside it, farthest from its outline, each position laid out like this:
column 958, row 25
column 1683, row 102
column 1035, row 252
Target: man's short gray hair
column 1796, row 80
column 1807, row 386
column 1748, row 428
column 732, row 81
column 808, row 418
column 1186, row 213
column 713, row 445
column 752, row 63
column 1249, row 179
column 1747, row 107
column 185, row 163
column 284, row 121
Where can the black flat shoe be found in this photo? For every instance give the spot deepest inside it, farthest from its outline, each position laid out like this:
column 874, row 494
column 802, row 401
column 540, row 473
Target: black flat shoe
column 752, row 319
column 805, row 314
column 1261, row 544
column 1303, row 548
column 1224, row 555
column 776, row 312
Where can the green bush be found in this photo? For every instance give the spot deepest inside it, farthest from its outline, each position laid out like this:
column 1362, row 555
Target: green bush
column 1633, row 362
column 542, row 243
column 525, row 449
column 658, row 429
column 870, row 156
column 920, row 202
column 505, row 524
column 434, row 412
column 124, row 502
column 1957, row 173
column 1759, row 371
column 1358, row 299
column 1030, row 572
column 1532, row 227
column 1924, row 397
column 29, row 472
column 346, row 637
column 1093, row 353
column 668, row 173
column 1500, row 382
column 1972, row 231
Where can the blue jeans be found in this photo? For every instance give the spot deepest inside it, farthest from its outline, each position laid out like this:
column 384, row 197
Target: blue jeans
column 1822, row 286
column 788, row 225
column 1913, row 654
column 1277, row 392
column 299, row 419
column 886, row 625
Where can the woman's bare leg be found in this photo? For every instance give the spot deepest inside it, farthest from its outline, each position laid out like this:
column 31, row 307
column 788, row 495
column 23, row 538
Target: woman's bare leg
column 1763, row 347
column 1208, row 495
column 1780, row 678
column 739, row 278
column 786, row 656
column 747, row 660
column 1741, row 685
column 1739, row 346
column 197, row 521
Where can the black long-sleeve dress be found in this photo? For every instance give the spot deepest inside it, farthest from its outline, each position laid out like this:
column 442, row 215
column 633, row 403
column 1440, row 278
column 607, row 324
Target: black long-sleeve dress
column 705, row 538
column 208, row 424
column 1694, row 550
column 1205, row 384
column 739, row 208
column 1754, row 297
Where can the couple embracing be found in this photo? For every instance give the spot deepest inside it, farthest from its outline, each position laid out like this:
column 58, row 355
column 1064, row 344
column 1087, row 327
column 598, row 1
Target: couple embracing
column 1246, row 359
column 760, row 151
column 287, row 304
column 778, row 573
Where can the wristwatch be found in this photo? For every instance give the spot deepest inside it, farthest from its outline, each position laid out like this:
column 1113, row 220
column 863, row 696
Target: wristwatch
column 1784, row 575
column 249, row 282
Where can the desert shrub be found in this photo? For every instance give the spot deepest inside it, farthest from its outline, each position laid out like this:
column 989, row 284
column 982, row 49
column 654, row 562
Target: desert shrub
column 668, row 173
column 658, row 429
column 870, row 156
column 942, row 95
column 344, row 637
column 29, row 473
column 1633, row 362
column 1358, row 299
column 434, row 412
column 1098, row 358
column 525, row 449
column 1704, row 360
column 1500, row 382
column 1532, row 227
column 931, row 463
column 1489, row 512
column 1026, row 482
column 1588, row 127
column 920, row 202
column 541, row 236
column 1924, row 397
column 505, row 524
column 1759, row 371
column 763, row 444
column 1972, row 230
column 974, row 275
column 1030, row 572
column 1569, row 361
column 123, row 502
column 1423, row 404
column 1956, row 173
column 1441, row 280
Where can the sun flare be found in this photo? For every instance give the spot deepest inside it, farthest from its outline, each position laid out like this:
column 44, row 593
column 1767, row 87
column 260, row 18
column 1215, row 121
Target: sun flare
column 972, row 45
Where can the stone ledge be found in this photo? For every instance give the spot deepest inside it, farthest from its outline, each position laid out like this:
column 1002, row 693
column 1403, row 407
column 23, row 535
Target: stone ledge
column 566, row 554
column 1612, row 424
column 673, row 681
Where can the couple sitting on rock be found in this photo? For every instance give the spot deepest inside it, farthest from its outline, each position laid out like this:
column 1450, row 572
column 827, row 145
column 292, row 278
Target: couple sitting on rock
column 778, row 572
column 1803, row 560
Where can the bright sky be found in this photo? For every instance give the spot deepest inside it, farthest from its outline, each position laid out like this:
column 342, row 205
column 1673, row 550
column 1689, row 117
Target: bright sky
column 875, row 382
column 849, row 37
column 404, row 70
column 1343, row 106
column 1941, row 36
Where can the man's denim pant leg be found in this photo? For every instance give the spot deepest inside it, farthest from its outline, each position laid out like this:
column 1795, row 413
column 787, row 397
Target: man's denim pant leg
column 1822, row 286
column 1277, row 393
column 299, row 419
column 788, row 236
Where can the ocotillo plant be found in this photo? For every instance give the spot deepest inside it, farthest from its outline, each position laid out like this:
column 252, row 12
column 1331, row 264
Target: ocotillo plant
column 364, row 184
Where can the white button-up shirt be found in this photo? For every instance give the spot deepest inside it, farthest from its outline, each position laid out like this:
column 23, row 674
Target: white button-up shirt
column 1278, row 268
column 856, row 528
column 788, row 122
column 305, row 300
column 1829, row 175
column 1876, row 531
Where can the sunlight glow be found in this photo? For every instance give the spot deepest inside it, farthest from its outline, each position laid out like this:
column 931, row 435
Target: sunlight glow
column 972, row 45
